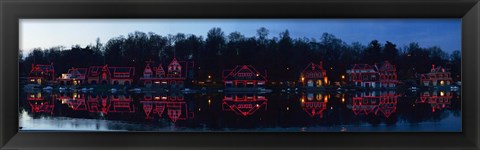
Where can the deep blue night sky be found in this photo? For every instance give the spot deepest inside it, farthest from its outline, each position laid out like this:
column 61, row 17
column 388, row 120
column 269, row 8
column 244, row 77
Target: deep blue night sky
column 46, row 33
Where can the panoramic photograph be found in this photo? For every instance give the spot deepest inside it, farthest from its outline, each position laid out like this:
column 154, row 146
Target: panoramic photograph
column 240, row 75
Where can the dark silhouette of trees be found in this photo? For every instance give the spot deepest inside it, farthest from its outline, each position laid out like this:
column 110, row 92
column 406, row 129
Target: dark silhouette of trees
column 390, row 52
column 456, row 65
column 114, row 51
column 283, row 57
column 214, row 47
column 262, row 34
column 373, row 53
column 215, row 41
column 331, row 51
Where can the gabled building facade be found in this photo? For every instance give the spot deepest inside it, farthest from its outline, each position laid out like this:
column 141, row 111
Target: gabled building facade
column 363, row 75
column 41, row 74
column 98, row 75
column 74, row 76
column 245, row 76
column 103, row 75
column 438, row 76
column 368, row 76
column 314, row 75
column 121, row 75
column 387, row 75
column 174, row 76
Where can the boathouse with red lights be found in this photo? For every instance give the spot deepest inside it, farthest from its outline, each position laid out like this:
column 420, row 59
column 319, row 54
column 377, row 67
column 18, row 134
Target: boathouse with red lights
column 98, row 75
column 74, row 76
column 372, row 76
column 245, row 76
column 110, row 75
column 41, row 74
column 387, row 75
column 314, row 75
column 438, row 76
column 121, row 75
column 174, row 76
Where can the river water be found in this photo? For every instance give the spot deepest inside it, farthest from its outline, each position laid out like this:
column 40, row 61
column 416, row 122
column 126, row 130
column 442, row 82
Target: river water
column 373, row 111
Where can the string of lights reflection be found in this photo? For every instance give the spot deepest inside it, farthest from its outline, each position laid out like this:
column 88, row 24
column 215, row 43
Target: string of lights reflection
column 175, row 106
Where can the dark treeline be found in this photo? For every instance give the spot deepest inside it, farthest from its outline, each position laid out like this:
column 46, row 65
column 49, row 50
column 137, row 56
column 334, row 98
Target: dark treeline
column 282, row 56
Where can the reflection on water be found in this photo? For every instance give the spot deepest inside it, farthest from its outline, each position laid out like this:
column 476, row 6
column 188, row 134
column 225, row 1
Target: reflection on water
column 438, row 100
column 374, row 102
column 314, row 103
column 244, row 104
column 174, row 105
column 41, row 103
column 308, row 111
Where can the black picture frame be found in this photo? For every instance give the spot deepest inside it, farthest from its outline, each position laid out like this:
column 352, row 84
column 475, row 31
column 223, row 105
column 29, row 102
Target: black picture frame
column 13, row 10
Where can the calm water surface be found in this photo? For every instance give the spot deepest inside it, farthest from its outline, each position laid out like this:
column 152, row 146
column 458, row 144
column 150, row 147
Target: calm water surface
column 375, row 111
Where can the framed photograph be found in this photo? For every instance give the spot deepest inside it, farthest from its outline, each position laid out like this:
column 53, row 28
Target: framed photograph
column 236, row 75
column 221, row 74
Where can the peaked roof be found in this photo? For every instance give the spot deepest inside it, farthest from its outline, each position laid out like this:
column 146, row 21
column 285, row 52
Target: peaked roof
column 94, row 69
column 42, row 68
column 244, row 108
column 231, row 74
column 42, row 107
column 386, row 109
column 362, row 67
column 174, row 114
column 82, row 71
column 77, row 104
column 387, row 66
column 38, row 69
column 363, row 109
column 438, row 69
column 314, row 67
column 45, row 67
column 121, row 69
column 148, row 69
column 160, row 68
column 77, row 71
column 314, row 110
column 174, row 62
